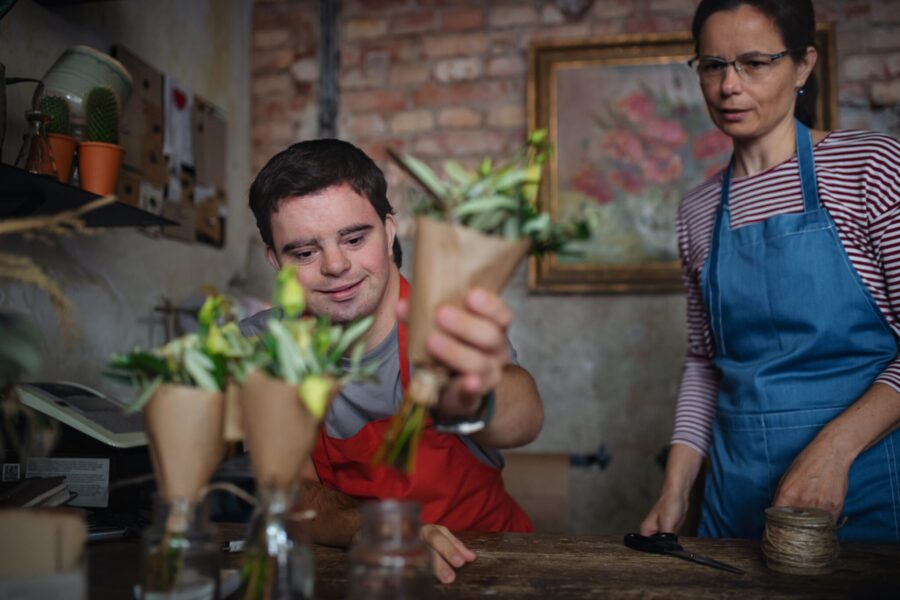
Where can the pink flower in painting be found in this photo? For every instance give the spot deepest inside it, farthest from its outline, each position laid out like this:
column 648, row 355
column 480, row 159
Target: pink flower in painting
column 625, row 146
column 636, row 107
column 589, row 182
column 662, row 167
column 630, row 182
column 710, row 144
column 667, row 132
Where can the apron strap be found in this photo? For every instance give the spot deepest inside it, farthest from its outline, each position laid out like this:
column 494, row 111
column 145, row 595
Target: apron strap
column 807, row 164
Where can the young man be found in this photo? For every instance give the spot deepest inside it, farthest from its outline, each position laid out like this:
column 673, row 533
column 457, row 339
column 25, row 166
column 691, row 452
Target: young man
column 322, row 207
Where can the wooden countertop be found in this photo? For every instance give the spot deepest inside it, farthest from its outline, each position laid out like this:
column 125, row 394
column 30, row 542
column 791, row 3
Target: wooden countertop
column 585, row 566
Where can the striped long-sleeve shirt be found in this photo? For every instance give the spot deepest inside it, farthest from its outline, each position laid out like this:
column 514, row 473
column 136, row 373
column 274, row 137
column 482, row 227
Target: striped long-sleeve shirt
column 858, row 176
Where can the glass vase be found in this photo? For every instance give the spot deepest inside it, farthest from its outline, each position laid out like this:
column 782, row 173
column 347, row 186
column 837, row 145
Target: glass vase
column 278, row 556
column 180, row 558
column 35, row 155
column 389, row 558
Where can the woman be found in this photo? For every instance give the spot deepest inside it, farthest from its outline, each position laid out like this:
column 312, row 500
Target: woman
column 791, row 258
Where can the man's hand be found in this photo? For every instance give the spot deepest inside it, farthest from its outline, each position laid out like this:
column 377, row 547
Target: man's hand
column 472, row 344
column 817, row 478
column 447, row 552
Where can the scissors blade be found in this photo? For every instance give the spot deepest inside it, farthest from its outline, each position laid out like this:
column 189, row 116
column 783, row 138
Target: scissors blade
column 705, row 560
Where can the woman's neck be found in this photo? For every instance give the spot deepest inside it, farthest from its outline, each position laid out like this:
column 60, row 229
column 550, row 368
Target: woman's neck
column 757, row 155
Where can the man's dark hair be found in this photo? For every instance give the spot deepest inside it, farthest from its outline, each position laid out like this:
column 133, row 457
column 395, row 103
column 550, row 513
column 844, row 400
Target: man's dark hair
column 795, row 21
column 309, row 167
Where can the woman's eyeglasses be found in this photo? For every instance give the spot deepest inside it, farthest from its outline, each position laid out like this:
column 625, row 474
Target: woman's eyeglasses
column 754, row 66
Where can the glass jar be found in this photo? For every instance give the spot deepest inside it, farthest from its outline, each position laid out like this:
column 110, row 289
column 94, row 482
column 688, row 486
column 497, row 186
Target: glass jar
column 35, row 155
column 278, row 555
column 389, row 559
column 180, row 558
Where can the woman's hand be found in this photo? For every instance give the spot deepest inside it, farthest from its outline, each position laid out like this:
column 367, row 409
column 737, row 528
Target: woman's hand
column 447, row 552
column 817, row 478
column 667, row 515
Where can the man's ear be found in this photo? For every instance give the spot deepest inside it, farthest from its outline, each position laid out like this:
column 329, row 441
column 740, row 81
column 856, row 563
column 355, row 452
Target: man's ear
column 390, row 227
column 272, row 258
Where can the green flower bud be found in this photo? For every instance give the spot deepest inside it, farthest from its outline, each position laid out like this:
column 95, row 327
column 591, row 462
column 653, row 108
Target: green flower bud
column 289, row 292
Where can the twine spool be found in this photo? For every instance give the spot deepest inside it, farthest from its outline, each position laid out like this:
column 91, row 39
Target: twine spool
column 800, row 541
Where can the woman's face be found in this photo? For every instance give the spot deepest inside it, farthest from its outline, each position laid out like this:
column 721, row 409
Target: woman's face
column 742, row 108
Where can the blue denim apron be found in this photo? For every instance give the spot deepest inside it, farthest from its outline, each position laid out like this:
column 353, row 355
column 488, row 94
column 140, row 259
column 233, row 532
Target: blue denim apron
column 798, row 338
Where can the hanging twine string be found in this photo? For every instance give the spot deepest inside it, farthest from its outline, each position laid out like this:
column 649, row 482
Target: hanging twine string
column 800, row 541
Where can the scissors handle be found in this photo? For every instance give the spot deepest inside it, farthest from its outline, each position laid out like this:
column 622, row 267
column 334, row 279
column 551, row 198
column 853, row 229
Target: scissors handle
column 658, row 543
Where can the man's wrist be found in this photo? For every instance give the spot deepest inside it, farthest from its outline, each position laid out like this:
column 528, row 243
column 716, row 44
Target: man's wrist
column 468, row 425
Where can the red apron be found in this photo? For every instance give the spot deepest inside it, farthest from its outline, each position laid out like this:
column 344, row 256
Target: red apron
column 456, row 489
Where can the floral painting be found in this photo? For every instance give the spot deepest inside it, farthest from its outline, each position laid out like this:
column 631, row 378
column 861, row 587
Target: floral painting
column 632, row 137
column 631, row 141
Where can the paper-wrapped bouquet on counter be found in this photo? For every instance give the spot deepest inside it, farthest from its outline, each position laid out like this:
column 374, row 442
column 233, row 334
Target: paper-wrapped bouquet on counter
column 473, row 228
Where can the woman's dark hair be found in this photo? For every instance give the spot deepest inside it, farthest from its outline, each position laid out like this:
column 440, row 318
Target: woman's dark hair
column 312, row 166
column 796, row 22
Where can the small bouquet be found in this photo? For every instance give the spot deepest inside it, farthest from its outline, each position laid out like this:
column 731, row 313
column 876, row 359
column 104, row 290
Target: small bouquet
column 180, row 391
column 472, row 230
column 297, row 367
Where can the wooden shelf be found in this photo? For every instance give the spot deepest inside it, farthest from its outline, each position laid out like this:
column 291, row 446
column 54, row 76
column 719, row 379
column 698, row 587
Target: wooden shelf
column 24, row 194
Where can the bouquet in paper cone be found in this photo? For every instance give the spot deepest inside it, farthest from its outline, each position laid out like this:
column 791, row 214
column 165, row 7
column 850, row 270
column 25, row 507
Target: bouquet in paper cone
column 297, row 368
column 180, row 389
column 472, row 230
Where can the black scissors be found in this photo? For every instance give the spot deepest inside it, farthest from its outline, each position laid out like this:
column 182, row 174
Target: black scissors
column 667, row 543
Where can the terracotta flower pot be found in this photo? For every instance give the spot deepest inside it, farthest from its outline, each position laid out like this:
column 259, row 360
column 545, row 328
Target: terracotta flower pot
column 98, row 166
column 63, row 148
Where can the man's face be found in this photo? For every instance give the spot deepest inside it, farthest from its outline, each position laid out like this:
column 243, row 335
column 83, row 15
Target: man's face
column 340, row 248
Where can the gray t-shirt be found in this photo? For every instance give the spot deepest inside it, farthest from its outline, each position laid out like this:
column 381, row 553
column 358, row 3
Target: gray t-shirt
column 359, row 403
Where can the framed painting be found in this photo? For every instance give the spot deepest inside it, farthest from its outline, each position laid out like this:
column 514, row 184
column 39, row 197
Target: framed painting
column 632, row 136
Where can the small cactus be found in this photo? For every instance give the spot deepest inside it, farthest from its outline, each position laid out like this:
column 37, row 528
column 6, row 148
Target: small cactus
column 101, row 111
column 58, row 110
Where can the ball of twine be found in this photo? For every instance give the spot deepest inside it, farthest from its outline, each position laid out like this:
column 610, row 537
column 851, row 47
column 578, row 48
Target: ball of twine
column 799, row 541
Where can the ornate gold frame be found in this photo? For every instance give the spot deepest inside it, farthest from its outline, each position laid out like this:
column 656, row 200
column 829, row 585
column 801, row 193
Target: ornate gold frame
column 547, row 274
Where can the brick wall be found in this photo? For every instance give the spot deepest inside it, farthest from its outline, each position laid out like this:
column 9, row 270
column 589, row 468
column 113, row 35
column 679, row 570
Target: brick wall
column 444, row 78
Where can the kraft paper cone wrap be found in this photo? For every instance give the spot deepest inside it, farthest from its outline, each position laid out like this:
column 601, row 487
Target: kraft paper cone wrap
column 233, row 423
column 279, row 430
column 450, row 260
column 184, row 425
column 40, row 541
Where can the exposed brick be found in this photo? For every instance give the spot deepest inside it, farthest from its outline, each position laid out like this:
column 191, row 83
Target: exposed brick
column 306, row 69
column 461, row 19
column 460, row 93
column 684, row 7
column 359, row 29
column 870, row 66
column 278, row 84
column 506, row 66
column 278, row 131
column 458, row 69
column 373, row 101
column 455, row 45
column 364, row 126
column 418, row 22
column 510, row 115
column 460, row 143
column 412, row 121
column 504, row 43
column 371, row 6
column 359, row 79
column 267, row 39
column 266, row 61
column 513, row 15
column 406, row 74
column 611, row 9
column 551, row 15
column 270, row 110
column 404, row 49
column 461, row 117
column 885, row 93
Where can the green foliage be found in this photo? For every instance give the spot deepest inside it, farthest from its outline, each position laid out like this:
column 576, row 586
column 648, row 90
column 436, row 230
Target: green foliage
column 57, row 109
column 207, row 359
column 495, row 200
column 309, row 352
column 101, row 111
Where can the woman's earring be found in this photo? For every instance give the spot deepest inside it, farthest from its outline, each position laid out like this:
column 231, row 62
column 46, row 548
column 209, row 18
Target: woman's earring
column 800, row 92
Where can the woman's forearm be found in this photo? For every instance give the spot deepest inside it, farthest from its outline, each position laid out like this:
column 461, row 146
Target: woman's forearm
column 682, row 468
column 867, row 421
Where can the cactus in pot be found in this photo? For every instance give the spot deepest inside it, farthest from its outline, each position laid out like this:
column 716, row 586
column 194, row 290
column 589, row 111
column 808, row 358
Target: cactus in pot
column 59, row 132
column 100, row 156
